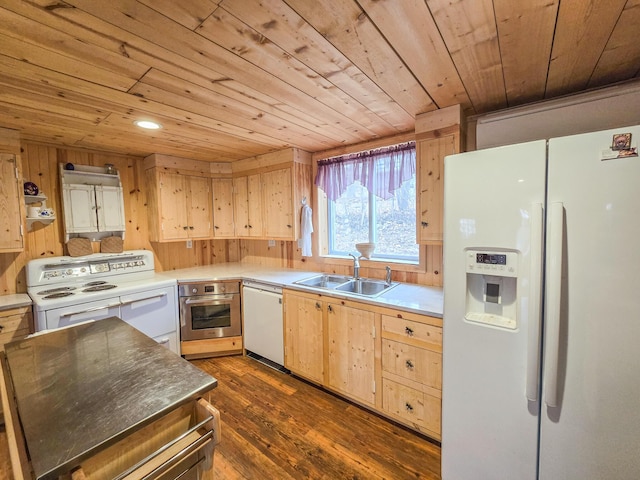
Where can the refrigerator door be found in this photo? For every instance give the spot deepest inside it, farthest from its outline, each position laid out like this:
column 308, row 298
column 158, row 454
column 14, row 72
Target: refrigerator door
column 592, row 346
column 493, row 218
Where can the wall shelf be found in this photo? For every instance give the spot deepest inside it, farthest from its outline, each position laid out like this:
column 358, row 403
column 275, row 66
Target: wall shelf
column 34, row 199
column 43, row 220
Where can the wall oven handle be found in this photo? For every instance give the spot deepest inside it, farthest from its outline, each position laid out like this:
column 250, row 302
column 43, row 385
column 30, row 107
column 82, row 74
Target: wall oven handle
column 210, row 300
column 92, row 309
column 128, row 302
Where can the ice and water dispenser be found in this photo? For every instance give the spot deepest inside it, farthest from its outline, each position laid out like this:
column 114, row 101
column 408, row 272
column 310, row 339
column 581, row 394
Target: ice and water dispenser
column 492, row 278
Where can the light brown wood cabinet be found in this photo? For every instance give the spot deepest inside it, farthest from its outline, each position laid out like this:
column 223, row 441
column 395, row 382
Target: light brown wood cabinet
column 412, row 371
column 15, row 324
column 223, row 218
column 180, row 206
column 11, row 209
column 438, row 134
column 304, row 335
column 351, row 334
column 277, row 192
column 384, row 359
column 247, row 202
column 430, row 186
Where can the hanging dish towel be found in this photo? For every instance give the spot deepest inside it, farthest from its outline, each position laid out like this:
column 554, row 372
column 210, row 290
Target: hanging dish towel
column 306, row 229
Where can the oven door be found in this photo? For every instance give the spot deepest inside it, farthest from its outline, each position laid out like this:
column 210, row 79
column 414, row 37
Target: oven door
column 210, row 316
column 81, row 312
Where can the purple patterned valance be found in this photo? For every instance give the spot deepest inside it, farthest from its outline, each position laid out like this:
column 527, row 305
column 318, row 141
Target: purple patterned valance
column 380, row 171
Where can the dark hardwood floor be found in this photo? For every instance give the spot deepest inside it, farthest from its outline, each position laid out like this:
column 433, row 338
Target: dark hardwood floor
column 275, row 426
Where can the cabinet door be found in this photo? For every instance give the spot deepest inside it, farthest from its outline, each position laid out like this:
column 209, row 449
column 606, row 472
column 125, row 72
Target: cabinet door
column 278, row 200
column 254, row 199
column 303, row 336
column 11, row 239
column 351, row 334
column 199, row 213
column 172, row 205
column 241, row 206
column 79, row 208
column 110, row 208
column 430, row 155
column 222, row 208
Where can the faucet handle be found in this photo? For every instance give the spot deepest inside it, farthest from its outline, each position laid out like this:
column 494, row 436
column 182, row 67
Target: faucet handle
column 356, row 262
column 388, row 277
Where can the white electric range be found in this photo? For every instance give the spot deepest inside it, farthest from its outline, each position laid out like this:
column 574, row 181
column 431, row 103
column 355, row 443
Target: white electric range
column 70, row 290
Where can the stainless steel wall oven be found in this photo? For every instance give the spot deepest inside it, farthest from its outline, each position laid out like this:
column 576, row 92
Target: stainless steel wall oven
column 209, row 310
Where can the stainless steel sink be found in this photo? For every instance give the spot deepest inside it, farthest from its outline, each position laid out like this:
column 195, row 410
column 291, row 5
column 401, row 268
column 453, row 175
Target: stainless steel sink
column 346, row 284
column 363, row 286
column 324, row 281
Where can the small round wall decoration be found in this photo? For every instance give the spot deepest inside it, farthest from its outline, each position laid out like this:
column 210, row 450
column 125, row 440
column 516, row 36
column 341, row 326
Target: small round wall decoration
column 30, row 188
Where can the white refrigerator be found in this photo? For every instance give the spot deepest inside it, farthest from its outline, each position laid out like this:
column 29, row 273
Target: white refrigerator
column 541, row 352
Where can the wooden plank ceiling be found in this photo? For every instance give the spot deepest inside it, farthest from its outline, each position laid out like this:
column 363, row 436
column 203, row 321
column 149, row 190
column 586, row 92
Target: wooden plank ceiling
column 228, row 79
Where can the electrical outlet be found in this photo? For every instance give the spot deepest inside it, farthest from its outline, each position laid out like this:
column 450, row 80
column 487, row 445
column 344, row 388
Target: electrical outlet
column 271, row 243
column 189, row 243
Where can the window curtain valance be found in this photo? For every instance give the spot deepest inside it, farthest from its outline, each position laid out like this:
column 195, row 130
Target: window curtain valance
column 380, row 171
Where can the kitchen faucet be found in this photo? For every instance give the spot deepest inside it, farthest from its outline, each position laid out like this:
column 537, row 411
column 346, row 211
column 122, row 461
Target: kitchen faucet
column 356, row 267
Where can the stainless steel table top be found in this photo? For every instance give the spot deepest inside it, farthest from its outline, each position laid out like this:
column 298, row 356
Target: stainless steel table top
column 83, row 388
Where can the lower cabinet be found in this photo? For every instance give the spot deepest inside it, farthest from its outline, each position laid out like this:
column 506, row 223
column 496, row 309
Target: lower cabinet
column 384, row 359
column 15, row 324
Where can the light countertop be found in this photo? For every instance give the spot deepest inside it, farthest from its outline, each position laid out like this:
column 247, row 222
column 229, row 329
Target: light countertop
column 405, row 296
column 17, row 300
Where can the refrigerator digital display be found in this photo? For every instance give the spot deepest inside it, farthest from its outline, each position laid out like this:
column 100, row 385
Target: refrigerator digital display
column 491, row 259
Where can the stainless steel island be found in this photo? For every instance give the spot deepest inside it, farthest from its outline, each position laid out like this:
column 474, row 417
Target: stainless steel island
column 104, row 398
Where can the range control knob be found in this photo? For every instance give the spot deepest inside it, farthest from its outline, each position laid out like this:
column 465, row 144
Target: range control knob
column 194, row 290
column 69, row 272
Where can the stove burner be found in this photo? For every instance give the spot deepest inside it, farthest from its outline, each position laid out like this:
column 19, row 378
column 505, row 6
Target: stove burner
column 59, row 294
column 57, row 290
column 93, row 284
column 97, row 288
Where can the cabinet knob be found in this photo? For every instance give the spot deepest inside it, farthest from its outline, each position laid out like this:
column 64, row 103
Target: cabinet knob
column 1, row 327
column 330, row 308
column 250, row 226
column 424, row 224
column 409, row 364
column 288, row 226
column 408, row 331
column 408, row 407
column 185, row 227
column 191, row 227
column 317, row 305
column 216, row 227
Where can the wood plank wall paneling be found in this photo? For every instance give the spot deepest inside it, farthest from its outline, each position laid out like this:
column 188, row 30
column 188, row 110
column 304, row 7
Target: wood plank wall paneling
column 40, row 165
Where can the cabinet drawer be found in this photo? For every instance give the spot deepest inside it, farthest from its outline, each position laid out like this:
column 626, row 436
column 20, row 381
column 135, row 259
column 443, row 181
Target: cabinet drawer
column 414, row 363
column 413, row 332
column 412, row 406
column 14, row 327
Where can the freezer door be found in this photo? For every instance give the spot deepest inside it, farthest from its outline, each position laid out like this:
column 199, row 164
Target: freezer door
column 592, row 332
column 493, row 210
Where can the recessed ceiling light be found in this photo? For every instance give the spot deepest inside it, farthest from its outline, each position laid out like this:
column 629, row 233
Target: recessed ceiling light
column 147, row 124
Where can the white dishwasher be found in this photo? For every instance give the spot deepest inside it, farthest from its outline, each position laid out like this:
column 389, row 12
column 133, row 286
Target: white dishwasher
column 263, row 324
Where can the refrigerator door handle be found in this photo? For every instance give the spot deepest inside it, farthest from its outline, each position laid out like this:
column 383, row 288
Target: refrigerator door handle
column 552, row 321
column 535, row 299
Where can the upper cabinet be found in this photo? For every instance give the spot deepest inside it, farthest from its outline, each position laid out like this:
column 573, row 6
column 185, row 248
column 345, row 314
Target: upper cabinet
column 93, row 202
column 223, row 211
column 256, row 198
column 11, row 194
column 179, row 206
column 247, row 204
column 438, row 134
column 274, row 206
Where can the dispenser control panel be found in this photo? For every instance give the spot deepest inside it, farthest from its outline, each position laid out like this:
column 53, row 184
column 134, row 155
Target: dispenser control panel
column 502, row 264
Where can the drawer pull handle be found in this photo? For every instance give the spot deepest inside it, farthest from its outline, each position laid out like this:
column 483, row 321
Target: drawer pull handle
column 425, row 224
column 1, row 327
column 317, row 306
column 330, row 308
column 409, row 364
column 408, row 331
column 408, row 407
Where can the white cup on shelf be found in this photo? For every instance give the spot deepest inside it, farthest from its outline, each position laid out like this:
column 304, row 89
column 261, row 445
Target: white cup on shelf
column 33, row 212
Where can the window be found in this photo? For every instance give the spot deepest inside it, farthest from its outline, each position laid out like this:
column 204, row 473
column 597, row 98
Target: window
column 372, row 198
